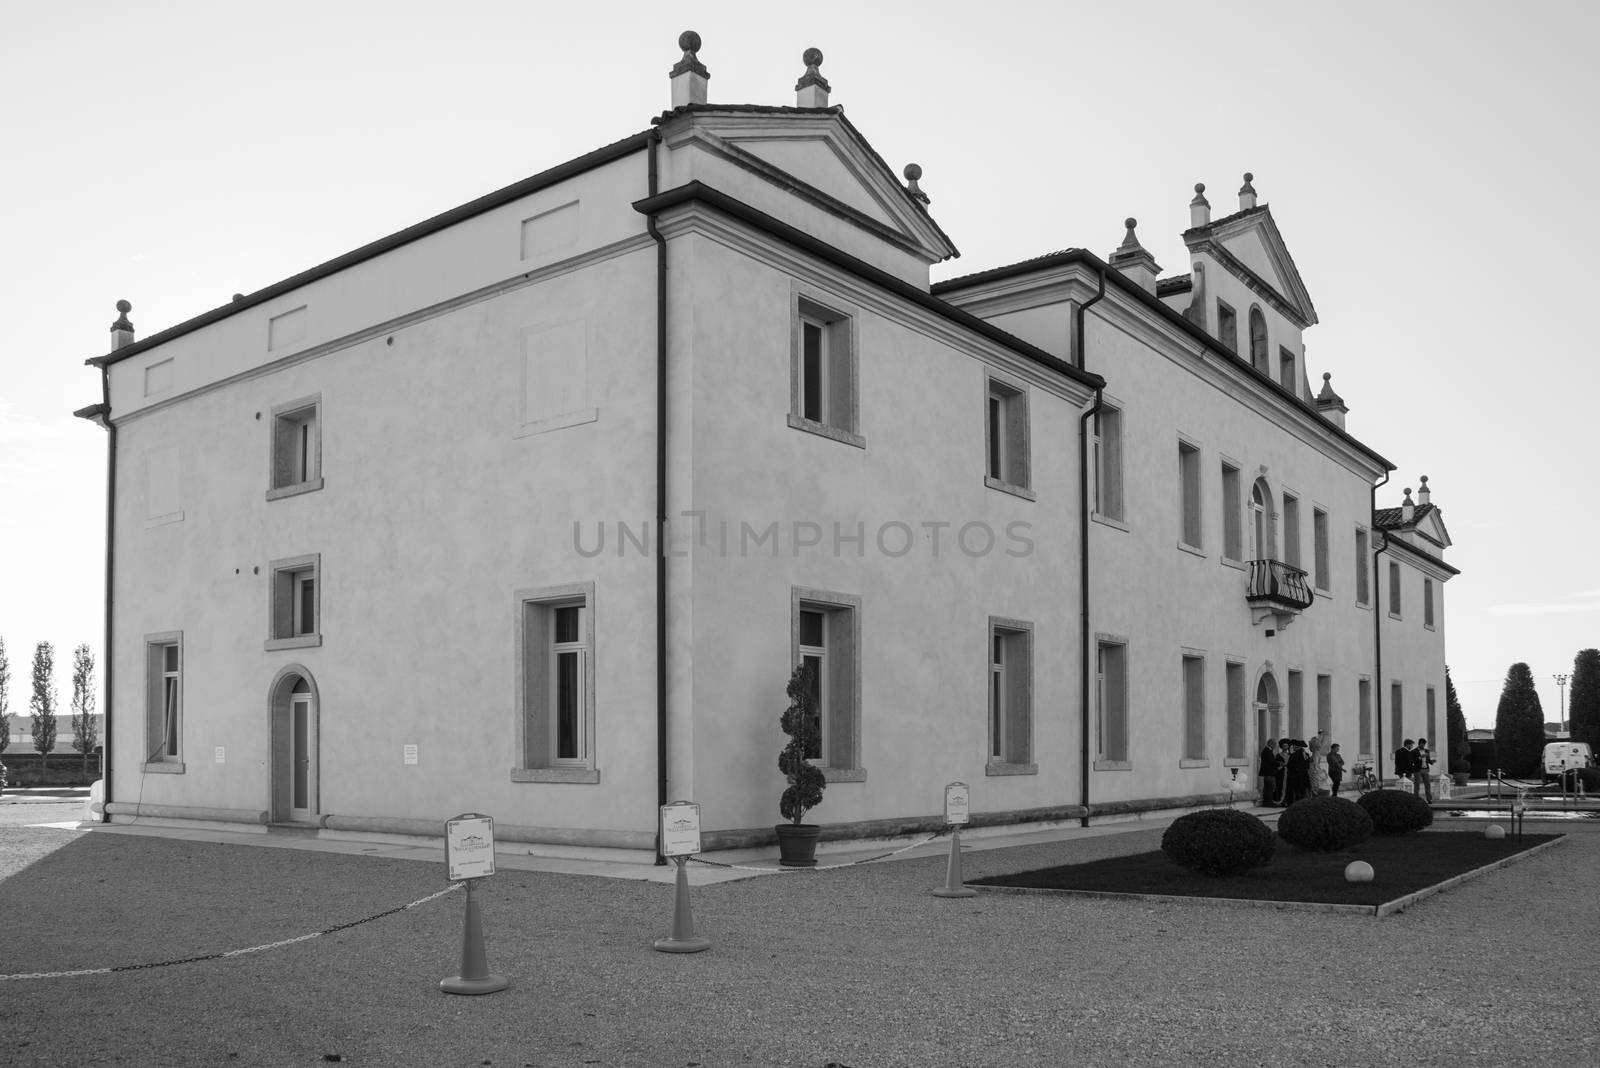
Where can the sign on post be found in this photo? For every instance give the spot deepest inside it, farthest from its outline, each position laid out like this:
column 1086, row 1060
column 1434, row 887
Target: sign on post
column 680, row 829
column 469, row 846
column 957, row 805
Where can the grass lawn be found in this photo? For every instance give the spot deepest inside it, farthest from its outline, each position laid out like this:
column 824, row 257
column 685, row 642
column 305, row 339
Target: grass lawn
column 1401, row 864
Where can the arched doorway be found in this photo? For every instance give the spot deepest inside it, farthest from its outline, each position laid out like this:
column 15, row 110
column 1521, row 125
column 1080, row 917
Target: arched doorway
column 293, row 716
column 1263, row 536
column 1269, row 710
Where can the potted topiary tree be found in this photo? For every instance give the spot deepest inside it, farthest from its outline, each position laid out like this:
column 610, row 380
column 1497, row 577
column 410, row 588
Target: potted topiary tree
column 797, row 841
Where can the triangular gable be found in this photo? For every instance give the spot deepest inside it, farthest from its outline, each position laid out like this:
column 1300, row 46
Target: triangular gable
column 818, row 153
column 1432, row 528
column 1251, row 246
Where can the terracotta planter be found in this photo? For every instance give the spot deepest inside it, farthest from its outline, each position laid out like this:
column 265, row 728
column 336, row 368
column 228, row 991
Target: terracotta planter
column 1460, row 778
column 797, row 844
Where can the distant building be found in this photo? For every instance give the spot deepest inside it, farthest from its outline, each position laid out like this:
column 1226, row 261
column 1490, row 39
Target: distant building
column 531, row 509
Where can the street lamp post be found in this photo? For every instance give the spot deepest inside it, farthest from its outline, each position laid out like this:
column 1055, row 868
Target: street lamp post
column 1561, row 681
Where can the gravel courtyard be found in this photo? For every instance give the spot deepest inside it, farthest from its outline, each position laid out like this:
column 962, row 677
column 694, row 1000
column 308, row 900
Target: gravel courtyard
column 856, row 967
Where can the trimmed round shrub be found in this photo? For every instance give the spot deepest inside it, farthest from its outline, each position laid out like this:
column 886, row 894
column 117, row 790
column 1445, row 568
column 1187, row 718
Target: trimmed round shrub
column 1324, row 824
column 1218, row 841
column 1395, row 811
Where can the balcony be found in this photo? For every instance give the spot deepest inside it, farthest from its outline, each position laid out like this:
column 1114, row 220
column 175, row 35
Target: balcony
column 1277, row 592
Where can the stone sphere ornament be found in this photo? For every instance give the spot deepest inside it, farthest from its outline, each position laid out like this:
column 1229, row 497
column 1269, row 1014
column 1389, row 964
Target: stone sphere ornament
column 1494, row 832
column 1358, row 871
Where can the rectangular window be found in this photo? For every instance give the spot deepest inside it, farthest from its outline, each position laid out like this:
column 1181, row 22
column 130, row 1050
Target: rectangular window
column 296, row 448
column 1394, row 589
column 1227, row 328
column 555, row 685
column 164, row 701
column 1325, row 705
column 1189, row 495
column 1010, row 693
column 1006, row 430
column 1232, row 534
column 825, row 638
column 1286, row 373
column 1427, row 606
column 1107, row 447
column 1397, row 716
column 1194, row 708
column 1238, row 742
column 824, row 395
column 1319, row 539
column 1432, row 720
column 1297, row 704
column 1363, row 564
column 1291, row 530
column 1364, row 712
column 296, row 605
column 1111, row 703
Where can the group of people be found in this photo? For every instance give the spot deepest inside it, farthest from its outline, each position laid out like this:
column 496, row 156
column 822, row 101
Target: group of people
column 1411, row 761
column 1293, row 768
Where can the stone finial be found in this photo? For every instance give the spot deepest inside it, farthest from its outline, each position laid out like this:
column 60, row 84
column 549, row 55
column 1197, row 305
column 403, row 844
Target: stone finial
column 913, row 172
column 689, row 75
column 1199, row 207
column 1247, row 193
column 1329, row 403
column 1408, row 510
column 1134, row 260
column 811, row 91
column 1422, row 490
column 122, row 329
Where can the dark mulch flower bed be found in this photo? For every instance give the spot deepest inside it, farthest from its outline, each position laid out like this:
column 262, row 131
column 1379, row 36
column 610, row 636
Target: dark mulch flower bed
column 1402, row 865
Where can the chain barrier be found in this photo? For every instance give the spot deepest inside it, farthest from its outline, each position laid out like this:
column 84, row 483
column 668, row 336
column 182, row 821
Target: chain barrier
column 821, row 867
column 335, row 929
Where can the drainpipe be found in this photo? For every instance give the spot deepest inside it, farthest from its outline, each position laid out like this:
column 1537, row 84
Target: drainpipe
column 661, row 492
column 1377, row 628
column 1083, row 547
column 111, row 540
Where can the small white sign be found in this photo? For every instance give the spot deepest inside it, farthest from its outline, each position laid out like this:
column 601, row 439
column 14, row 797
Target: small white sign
column 410, row 754
column 469, row 846
column 957, row 804
column 680, row 829
column 222, row 755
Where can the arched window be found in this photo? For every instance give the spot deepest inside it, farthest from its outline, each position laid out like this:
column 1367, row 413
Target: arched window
column 1258, row 523
column 1258, row 341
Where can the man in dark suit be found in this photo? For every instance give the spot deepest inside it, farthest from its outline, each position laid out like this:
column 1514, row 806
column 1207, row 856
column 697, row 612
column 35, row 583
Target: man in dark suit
column 1405, row 764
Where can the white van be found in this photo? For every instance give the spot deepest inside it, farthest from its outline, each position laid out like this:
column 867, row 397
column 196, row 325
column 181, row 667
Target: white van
column 1559, row 756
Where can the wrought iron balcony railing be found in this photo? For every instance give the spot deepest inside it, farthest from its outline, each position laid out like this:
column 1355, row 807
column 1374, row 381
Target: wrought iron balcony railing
column 1275, row 584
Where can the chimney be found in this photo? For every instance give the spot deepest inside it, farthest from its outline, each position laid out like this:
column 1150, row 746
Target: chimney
column 1408, row 511
column 1199, row 207
column 122, row 329
column 1330, row 404
column 811, row 91
column 1422, row 491
column 1247, row 193
column 689, row 76
column 912, row 172
column 1135, row 261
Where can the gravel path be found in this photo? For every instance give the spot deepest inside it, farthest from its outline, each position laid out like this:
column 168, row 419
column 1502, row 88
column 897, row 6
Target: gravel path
column 857, row 967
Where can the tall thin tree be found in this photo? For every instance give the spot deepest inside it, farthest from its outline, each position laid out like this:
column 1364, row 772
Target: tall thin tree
column 1455, row 722
column 43, row 703
column 1585, row 698
column 84, row 733
column 5, row 697
column 1519, row 724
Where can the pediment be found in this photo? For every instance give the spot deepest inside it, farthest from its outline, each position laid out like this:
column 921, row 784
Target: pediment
column 1432, row 528
column 817, row 154
column 1251, row 241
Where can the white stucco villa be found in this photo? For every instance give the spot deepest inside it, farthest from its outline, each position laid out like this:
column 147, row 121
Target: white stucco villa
column 531, row 509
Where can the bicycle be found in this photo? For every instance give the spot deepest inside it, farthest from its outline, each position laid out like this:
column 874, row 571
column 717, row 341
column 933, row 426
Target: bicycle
column 1365, row 778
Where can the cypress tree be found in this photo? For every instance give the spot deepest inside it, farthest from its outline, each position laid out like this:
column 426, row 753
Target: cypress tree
column 84, row 732
column 43, row 704
column 1519, row 725
column 1456, row 727
column 1585, row 698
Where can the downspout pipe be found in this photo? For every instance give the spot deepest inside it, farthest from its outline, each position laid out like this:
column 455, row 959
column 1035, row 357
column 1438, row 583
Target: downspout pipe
column 1085, row 635
column 661, row 489
column 108, row 660
column 1377, row 626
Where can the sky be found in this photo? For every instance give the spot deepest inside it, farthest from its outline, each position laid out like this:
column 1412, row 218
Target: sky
column 1423, row 161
